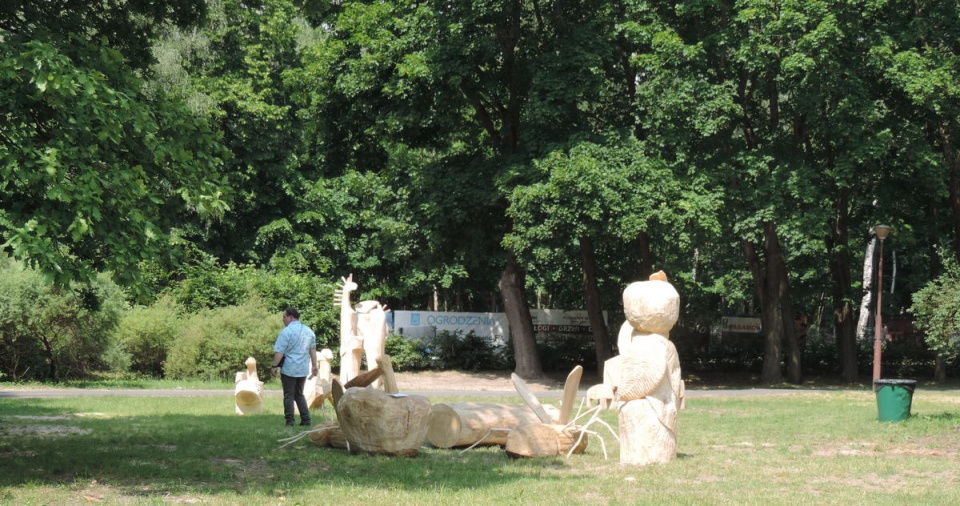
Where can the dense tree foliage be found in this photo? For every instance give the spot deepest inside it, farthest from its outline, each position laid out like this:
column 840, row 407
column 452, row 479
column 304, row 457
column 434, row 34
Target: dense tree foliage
column 94, row 172
column 490, row 156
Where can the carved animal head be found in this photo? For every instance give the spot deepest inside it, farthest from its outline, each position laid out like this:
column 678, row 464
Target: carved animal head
column 342, row 291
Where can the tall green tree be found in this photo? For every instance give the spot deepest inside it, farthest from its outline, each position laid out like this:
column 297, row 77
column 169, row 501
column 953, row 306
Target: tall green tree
column 478, row 90
column 231, row 69
column 95, row 173
column 734, row 89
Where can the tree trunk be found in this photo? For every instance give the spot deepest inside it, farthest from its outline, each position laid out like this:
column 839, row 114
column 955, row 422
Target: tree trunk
column 773, row 317
column 952, row 158
column 940, row 363
column 591, row 297
column 794, row 368
column 518, row 316
column 51, row 358
column 842, row 280
column 940, row 370
column 646, row 259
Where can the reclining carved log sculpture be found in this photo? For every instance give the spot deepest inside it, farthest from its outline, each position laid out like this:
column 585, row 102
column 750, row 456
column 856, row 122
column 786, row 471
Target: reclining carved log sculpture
column 646, row 375
column 468, row 424
column 550, row 436
column 462, row 424
column 248, row 389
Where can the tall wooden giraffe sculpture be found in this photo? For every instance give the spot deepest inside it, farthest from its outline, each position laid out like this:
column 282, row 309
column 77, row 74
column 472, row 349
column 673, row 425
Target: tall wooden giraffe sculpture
column 351, row 343
column 363, row 331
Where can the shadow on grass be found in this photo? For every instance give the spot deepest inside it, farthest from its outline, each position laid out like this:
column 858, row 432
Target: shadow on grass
column 44, row 443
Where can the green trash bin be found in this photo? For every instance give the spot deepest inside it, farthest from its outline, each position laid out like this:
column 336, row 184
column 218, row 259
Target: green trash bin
column 894, row 398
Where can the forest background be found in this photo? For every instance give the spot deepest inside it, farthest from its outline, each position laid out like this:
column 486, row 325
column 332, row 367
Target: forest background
column 175, row 173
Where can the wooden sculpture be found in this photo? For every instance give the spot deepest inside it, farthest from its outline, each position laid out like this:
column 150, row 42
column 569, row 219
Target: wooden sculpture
column 383, row 422
column 363, row 330
column 551, row 436
column 248, row 390
column 462, row 424
column 320, row 387
column 351, row 344
column 371, row 319
column 646, row 375
column 600, row 395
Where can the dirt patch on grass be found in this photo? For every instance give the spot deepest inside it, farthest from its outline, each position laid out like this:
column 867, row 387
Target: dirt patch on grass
column 483, row 381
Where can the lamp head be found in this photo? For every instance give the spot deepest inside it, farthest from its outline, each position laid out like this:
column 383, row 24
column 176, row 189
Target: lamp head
column 882, row 231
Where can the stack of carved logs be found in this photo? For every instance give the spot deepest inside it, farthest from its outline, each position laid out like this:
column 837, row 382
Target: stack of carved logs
column 389, row 423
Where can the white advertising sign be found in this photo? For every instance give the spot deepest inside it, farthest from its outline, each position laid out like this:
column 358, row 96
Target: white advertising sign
column 561, row 321
column 740, row 324
column 490, row 325
column 420, row 324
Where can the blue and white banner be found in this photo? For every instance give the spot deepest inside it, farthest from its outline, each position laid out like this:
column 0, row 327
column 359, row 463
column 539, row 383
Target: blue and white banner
column 420, row 324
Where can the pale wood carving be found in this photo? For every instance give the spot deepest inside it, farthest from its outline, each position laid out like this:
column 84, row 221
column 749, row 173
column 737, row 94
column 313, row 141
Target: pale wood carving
column 248, row 390
column 552, row 436
column 461, row 424
column 364, row 379
column 319, row 388
column 385, row 364
column 600, row 395
column 646, row 378
column 372, row 327
column 363, row 330
column 328, row 434
column 530, row 399
column 376, row 422
column 538, row 440
column 570, row 388
column 351, row 343
column 336, row 390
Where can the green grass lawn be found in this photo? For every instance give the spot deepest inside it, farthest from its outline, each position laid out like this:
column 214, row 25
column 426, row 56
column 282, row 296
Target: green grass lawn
column 800, row 448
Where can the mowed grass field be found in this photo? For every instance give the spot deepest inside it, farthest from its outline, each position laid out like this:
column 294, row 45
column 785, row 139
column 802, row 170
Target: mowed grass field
column 816, row 448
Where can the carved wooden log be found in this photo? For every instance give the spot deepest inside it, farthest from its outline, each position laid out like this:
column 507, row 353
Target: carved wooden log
column 380, row 423
column 385, row 364
column 364, row 379
column 328, row 434
column 465, row 423
column 248, row 395
column 544, row 440
column 570, row 389
column 647, row 433
column 531, row 399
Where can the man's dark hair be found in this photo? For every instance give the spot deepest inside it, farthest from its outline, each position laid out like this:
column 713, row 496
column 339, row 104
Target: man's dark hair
column 292, row 311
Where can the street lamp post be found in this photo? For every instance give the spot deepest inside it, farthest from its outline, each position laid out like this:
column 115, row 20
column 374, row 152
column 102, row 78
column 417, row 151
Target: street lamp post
column 882, row 231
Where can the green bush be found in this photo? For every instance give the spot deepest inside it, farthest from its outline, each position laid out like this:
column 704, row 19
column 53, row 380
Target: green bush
column 145, row 334
column 214, row 343
column 54, row 333
column 563, row 353
column 206, row 284
column 465, row 352
column 312, row 296
column 407, row 354
column 936, row 309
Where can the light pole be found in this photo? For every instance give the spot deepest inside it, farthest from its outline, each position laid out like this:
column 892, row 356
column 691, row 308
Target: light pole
column 882, row 232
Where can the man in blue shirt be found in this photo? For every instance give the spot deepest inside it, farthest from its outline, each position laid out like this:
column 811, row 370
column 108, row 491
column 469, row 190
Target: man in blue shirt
column 296, row 350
